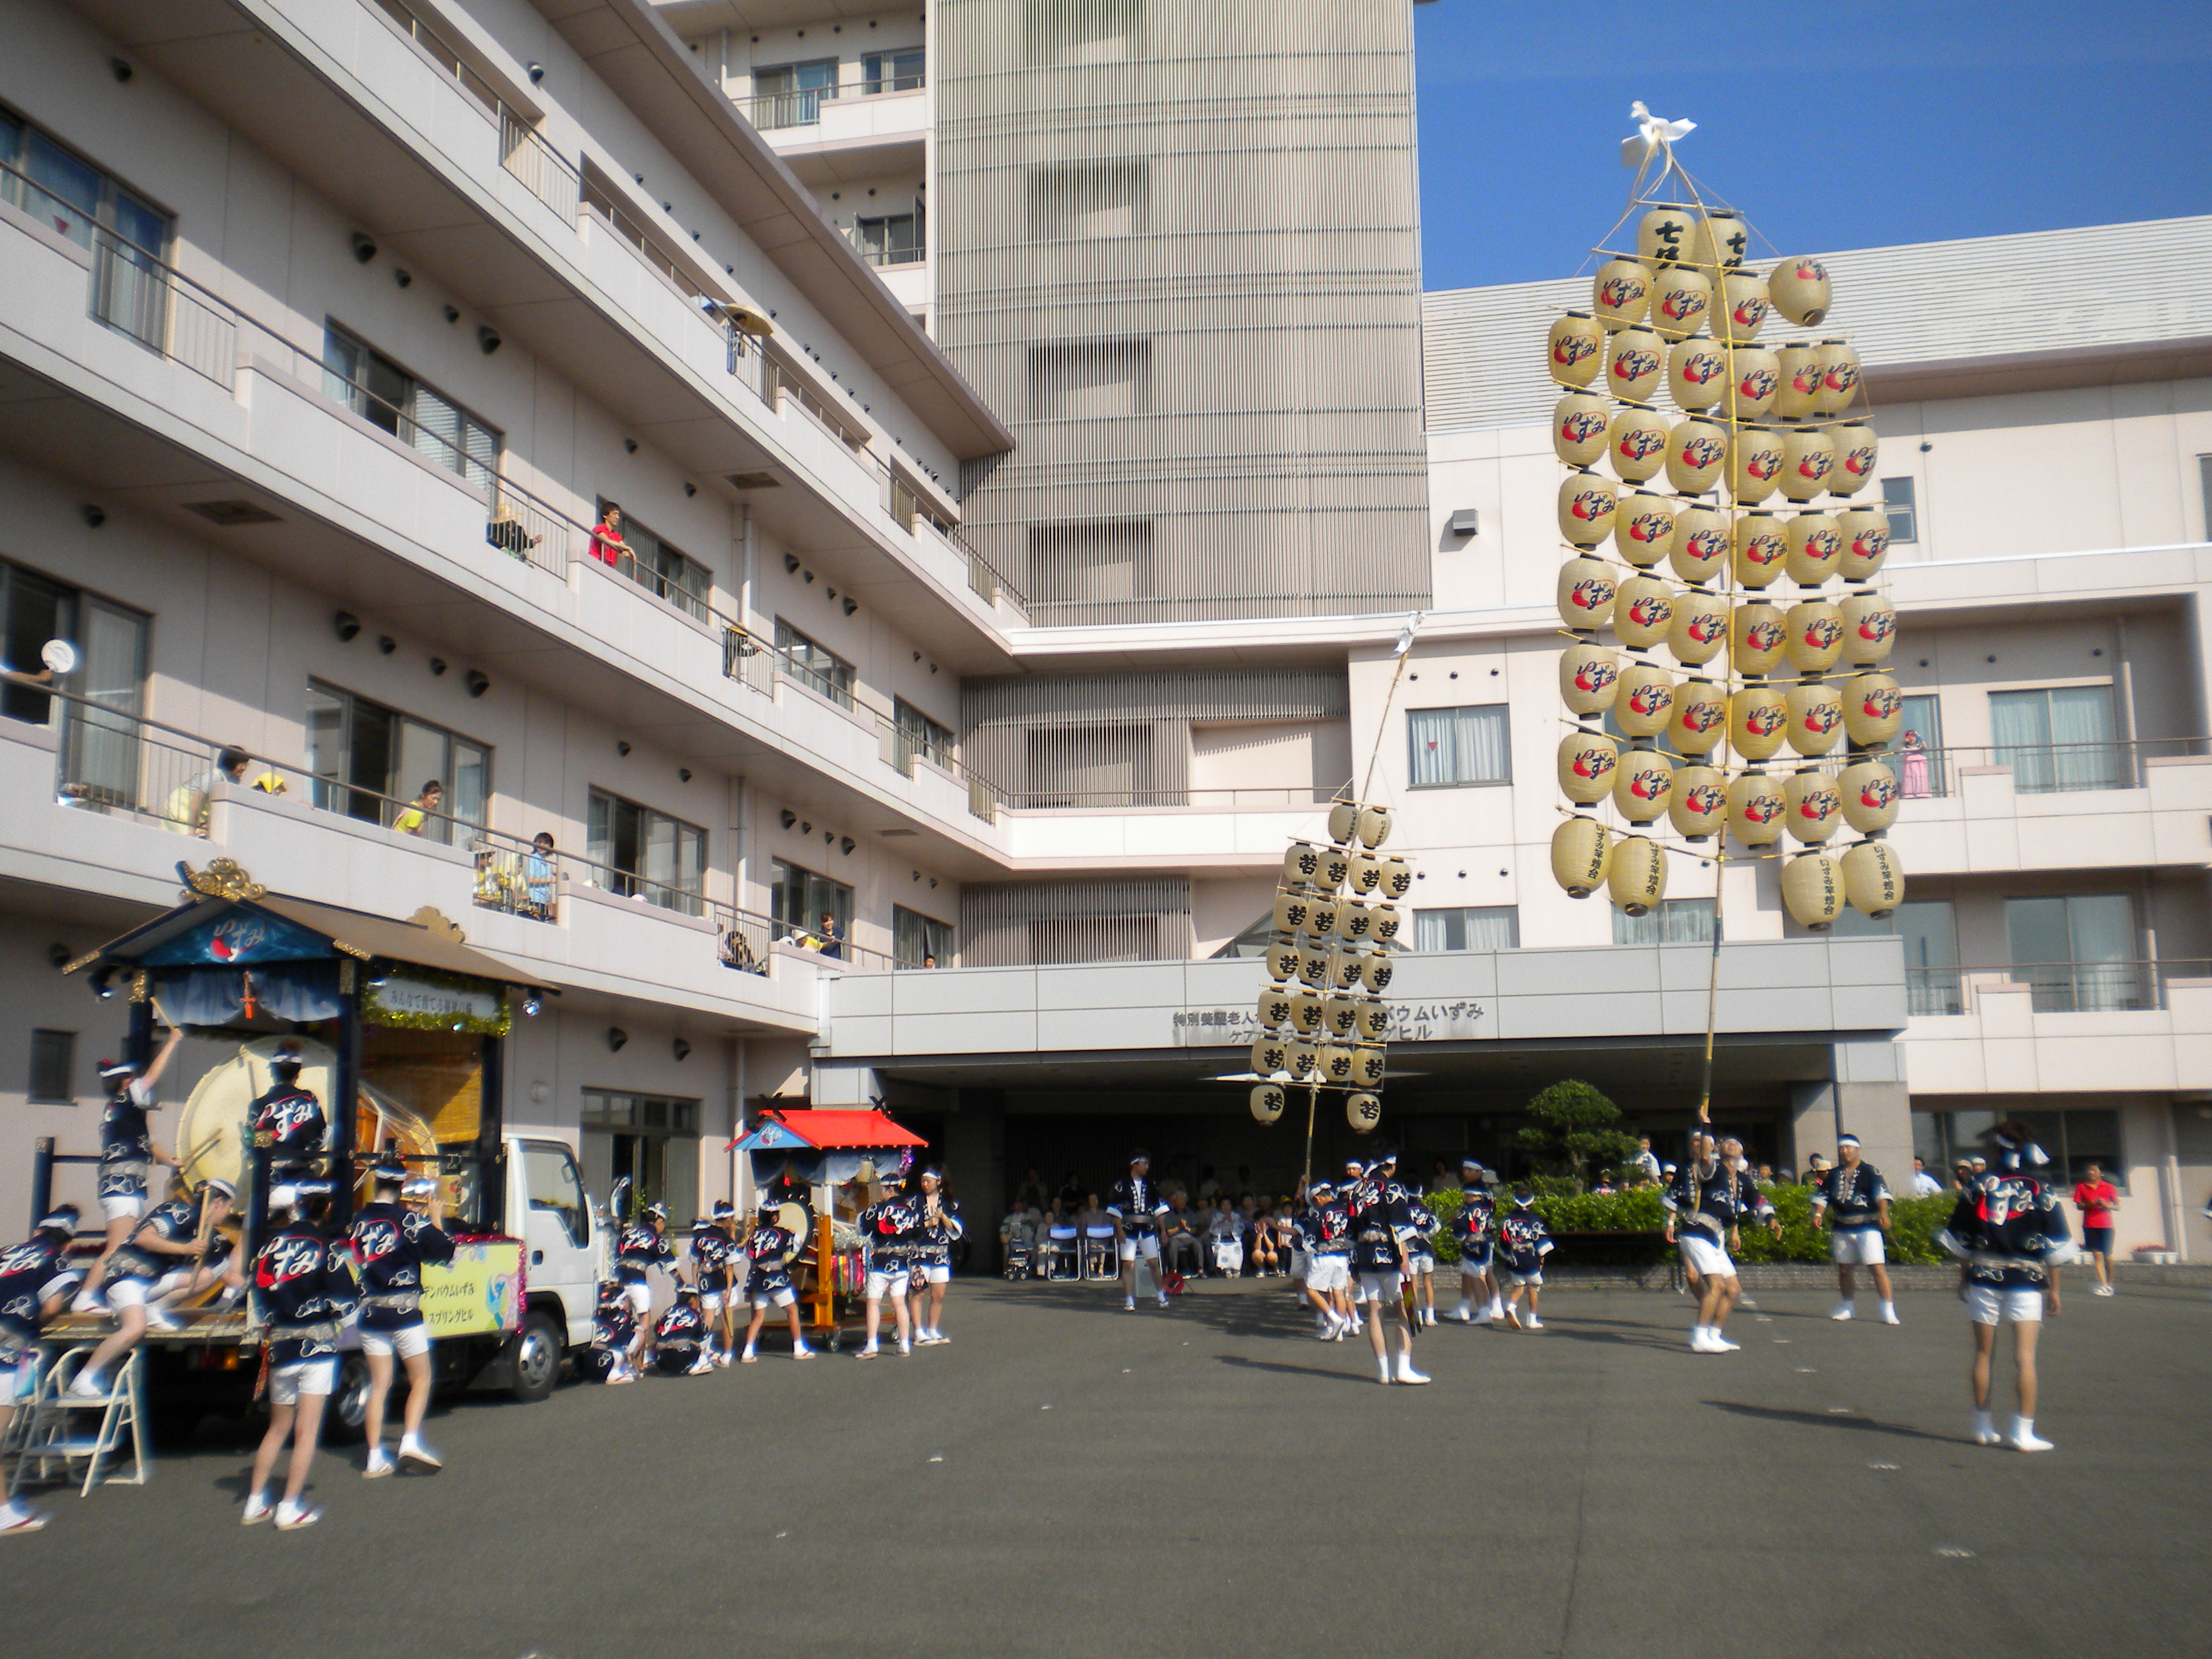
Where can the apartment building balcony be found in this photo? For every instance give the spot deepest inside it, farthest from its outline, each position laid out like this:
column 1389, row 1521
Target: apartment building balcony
column 2098, row 1027
column 1196, row 828
column 2059, row 807
column 809, row 124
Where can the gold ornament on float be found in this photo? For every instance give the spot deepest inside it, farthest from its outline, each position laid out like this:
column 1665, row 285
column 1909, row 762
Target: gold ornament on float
column 1582, row 850
column 1800, row 379
column 1643, row 610
column 1588, row 762
column 1266, row 1102
column 1873, row 706
column 1755, row 809
column 1756, row 635
column 1620, row 293
column 1754, row 465
column 1762, row 547
column 1759, row 719
column 1701, row 540
column 1701, row 719
column 1815, row 809
column 1869, row 630
column 1869, row 795
column 1815, row 548
column 1874, row 879
column 1640, row 789
column 1858, row 451
column 1680, row 297
column 1840, row 377
column 1637, row 879
column 1799, row 290
column 1577, row 349
column 1634, row 361
column 1700, row 629
column 1808, row 455
column 1646, row 702
column 1586, row 594
column 1812, row 890
column 1664, row 235
column 1587, row 504
column 1755, row 382
column 1741, row 307
column 1698, row 805
column 1816, row 716
column 1815, row 631
column 1696, row 450
column 1696, row 373
column 1636, row 443
column 1865, row 531
column 1643, row 528
column 1579, row 420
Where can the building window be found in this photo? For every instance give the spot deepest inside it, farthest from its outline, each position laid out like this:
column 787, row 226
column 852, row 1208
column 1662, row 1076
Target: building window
column 2078, row 953
column 919, row 941
column 650, row 1140
column 891, row 72
column 58, row 187
column 2205, row 493
column 1897, row 501
column 637, row 853
column 1473, row 927
column 892, row 239
column 368, row 762
column 1082, row 200
column 814, row 666
column 798, row 899
column 2057, row 740
column 422, row 418
column 916, row 734
column 1091, row 380
column 1456, row 747
column 53, row 1064
column 1923, row 769
column 2073, row 1140
column 1082, row 31
column 792, row 94
column 1672, row 921
column 666, row 572
column 111, row 655
column 1929, row 929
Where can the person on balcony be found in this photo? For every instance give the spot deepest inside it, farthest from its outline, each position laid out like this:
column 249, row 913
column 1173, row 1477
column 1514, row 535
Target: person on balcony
column 1912, row 785
column 608, row 546
column 185, row 811
column 537, row 876
column 415, row 819
column 832, row 937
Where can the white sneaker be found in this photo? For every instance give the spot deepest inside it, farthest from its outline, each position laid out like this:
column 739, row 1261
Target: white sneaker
column 1163, row 1299
column 291, row 1517
column 2102, row 1289
column 87, row 1386
column 257, row 1511
column 160, row 1319
column 380, row 1464
column 412, row 1450
column 1699, row 1342
column 1532, row 1323
column 1721, row 1344
column 2024, row 1438
column 1406, row 1371
column 1844, row 1310
column 1889, row 1315
column 1984, row 1430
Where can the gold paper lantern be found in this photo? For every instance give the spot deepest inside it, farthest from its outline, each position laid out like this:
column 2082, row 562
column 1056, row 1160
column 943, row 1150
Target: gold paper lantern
column 1587, row 504
column 1321, row 916
column 1336, row 866
column 1866, row 542
column 1582, row 849
column 1579, row 428
column 1397, row 877
column 1872, row 706
column 1762, row 546
column 1333, row 1064
column 1741, row 307
column 1388, row 918
column 1577, row 348
column 1365, row 870
column 1815, row 806
column 1643, row 528
column 1344, row 966
column 1588, row 762
column 1266, row 1102
column 1374, row 1018
column 1620, row 293
column 1701, row 540
column 1874, row 879
column 1274, row 1009
column 1696, row 452
column 1696, row 373
column 1754, row 465
column 1634, row 361
column 1720, row 240
column 1808, row 455
column 1755, row 382
column 1812, row 890
column 1698, row 804
column 1299, row 1058
column 1637, row 441
column 1816, row 716
column 1816, row 548
column 1640, row 789
column 1701, row 718
column 1291, row 910
column 1643, row 610
column 1375, row 973
column 1798, row 289
column 1586, row 595
column 1373, row 825
column 1816, row 636
column 1362, row 1112
column 1680, row 297
column 1313, row 963
column 1755, row 809
column 1840, row 377
column 1589, row 679
column 1305, row 1012
column 1869, row 629
column 1858, row 451
column 1270, row 1055
column 1369, row 1062
column 1756, row 636
column 1758, row 722
column 1666, row 233
column 1282, row 959
column 1646, row 701
column 1700, row 629
column 1343, row 818
column 1800, row 379
column 1301, row 863
column 1355, row 921
column 1637, row 879
column 1869, row 793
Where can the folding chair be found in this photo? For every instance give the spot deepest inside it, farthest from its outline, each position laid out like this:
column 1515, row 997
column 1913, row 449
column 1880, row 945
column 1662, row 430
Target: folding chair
column 1099, row 1261
column 1063, row 1254
column 54, row 1435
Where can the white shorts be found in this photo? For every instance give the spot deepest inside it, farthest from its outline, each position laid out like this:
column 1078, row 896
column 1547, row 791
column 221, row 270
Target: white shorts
column 1148, row 1247
column 782, row 1296
column 711, row 1300
column 407, row 1341
column 123, row 1206
column 1992, row 1304
column 1707, row 1259
column 938, row 1272
column 1474, row 1269
column 1533, row 1278
column 1301, row 1265
column 287, row 1383
column 1857, row 1247
column 123, row 1293
column 1381, row 1287
column 1417, row 1262
column 640, row 1298
column 1328, row 1272
column 894, row 1283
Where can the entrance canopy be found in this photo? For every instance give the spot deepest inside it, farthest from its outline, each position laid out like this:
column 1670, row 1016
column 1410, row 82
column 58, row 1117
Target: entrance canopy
column 811, row 1130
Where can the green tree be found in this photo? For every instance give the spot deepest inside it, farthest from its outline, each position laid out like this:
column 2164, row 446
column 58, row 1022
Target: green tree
column 1575, row 1128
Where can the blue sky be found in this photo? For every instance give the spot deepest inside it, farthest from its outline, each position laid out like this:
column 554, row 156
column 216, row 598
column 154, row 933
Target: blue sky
column 1831, row 126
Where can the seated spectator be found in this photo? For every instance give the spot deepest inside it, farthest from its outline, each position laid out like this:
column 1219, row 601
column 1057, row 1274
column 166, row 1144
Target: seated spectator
column 1605, row 1188
column 1179, row 1238
column 1260, row 1249
column 1019, row 1230
column 1817, row 1166
column 1092, row 1214
column 1224, row 1232
column 1072, row 1191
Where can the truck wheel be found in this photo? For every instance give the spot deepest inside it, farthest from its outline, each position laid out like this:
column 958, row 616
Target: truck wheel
column 538, row 1350
column 346, row 1416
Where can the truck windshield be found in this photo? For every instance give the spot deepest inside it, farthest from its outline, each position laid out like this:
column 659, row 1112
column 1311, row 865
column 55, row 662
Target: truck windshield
column 554, row 1185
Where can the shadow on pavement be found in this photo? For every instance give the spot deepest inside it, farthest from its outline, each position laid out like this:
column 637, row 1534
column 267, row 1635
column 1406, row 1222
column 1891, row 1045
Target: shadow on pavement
column 1831, row 1420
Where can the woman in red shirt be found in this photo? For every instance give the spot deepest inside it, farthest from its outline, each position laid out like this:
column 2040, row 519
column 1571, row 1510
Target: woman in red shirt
column 607, row 543
column 2099, row 1200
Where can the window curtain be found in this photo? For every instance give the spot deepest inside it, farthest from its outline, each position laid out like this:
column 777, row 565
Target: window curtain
column 1677, row 921
column 2082, row 752
column 1434, row 752
column 1458, row 746
column 1482, row 755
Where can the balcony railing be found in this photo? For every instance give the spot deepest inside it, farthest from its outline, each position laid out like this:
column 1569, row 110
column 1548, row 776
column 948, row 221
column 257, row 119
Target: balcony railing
column 902, row 749
column 916, row 254
column 1288, row 797
column 2037, row 769
column 800, row 107
column 2054, row 988
column 882, row 84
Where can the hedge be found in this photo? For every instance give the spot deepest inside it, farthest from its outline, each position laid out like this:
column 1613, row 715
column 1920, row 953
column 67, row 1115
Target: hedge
column 1913, row 1225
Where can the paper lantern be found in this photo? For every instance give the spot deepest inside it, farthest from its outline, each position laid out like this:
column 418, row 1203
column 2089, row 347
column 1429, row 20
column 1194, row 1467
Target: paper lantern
column 1291, row 910
column 1798, row 289
column 1754, row 465
column 1640, row 788
column 1646, row 702
column 1701, row 540
column 1587, row 504
column 1637, row 879
column 1741, row 307
column 1336, row 866
column 1762, row 545
column 1869, row 629
column 1696, row 373
column 1680, row 297
column 1815, row 548
column 1375, row 973
column 1305, row 1012
column 1870, row 792
column 1369, row 1062
column 1365, row 870
column 1755, row 809
column 1814, row 807
column 1274, row 1009
column 1582, row 849
column 1362, row 1112
column 1858, row 453
column 1808, row 455
column 1321, row 916
column 1874, row 879
column 1589, row 679
column 1872, row 707
column 1696, row 452
column 1697, row 806
column 1355, row 921
column 1343, row 817
column 1816, row 716
column 1840, row 377
column 1266, row 1102
column 1643, row 528
column 1755, row 382
column 1374, row 1018
column 1814, row 633
column 1586, row 595
column 1643, row 610
column 1344, row 966
column 1758, row 720
column 1333, row 1064
column 1620, row 293
column 1800, row 379
column 1282, row 959
column 1374, row 826
column 1313, row 963
column 1301, row 863
column 1720, row 240
column 1700, row 719
column 1397, row 877
column 1756, row 636
column 1578, row 349
column 1635, row 359
column 1579, row 428
column 1700, row 629
column 1270, row 1055
column 1588, row 762
column 1636, row 443
column 1665, row 234
column 1865, row 531
column 1388, row 920
column 1299, row 1058
column 1812, row 890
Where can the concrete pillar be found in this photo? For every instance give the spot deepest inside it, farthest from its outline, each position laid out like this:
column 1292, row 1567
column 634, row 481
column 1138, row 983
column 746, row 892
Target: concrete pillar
column 975, row 1169
column 1866, row 1097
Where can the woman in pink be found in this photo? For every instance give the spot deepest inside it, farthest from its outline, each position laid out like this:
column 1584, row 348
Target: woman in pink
column 2099, row 1200
column 1913, row 786
column 607, row 543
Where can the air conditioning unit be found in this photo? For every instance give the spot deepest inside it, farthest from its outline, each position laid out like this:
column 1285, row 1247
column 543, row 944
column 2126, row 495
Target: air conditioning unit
column 1464, row 521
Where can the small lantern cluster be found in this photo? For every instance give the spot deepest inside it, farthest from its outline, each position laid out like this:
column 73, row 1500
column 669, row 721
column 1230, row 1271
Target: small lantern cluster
column 1724, row 534
column 1323, row 1020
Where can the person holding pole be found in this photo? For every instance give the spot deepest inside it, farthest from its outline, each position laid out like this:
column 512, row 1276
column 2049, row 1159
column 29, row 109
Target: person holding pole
column 395, row 1234
column 1705, row 1207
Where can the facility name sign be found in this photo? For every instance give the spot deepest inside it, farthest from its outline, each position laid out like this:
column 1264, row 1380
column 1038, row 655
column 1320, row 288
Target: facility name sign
column 1410, row 1022
column 402, row 994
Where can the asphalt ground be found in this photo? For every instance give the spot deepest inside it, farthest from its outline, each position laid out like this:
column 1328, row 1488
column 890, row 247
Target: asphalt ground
column 1064, row 1479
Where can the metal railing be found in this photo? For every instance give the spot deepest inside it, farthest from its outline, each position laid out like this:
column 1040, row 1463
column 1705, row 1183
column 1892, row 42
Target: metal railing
column 903, row 749
column 2054, row 988
column 799, row 107
column 1286, row 797
column 2040, row 768
column 892, row 256
column 882, row 84
column 545, row 171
